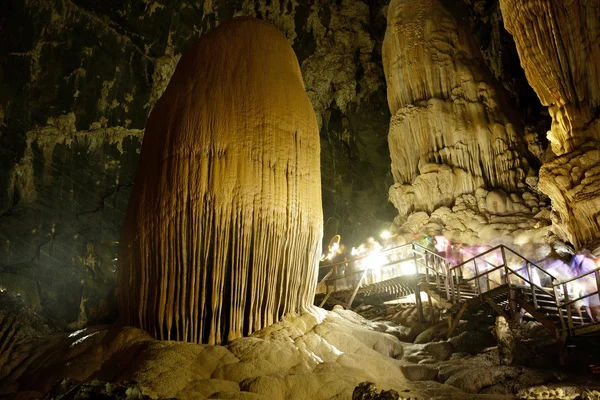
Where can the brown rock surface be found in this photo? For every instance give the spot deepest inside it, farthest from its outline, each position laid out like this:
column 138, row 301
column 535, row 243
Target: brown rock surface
column 223, row 232
column 455, row 141
column 559, row 49
column 318, row 355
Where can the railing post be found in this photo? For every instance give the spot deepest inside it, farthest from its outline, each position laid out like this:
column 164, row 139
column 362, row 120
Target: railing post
column 531, row 284
column 597, row 273
column 478, row 279
column 431, row 310
column 415, row 259
column 362, row 277
column 568, row 307
column 337, row 276
column 559, row 309
column 447, row 275
column 458, row 286
column 419, row 303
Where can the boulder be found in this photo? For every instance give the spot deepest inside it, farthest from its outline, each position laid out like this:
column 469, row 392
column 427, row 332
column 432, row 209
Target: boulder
column 419, row 372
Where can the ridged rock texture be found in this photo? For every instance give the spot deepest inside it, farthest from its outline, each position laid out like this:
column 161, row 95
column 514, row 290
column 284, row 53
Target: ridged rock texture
column 456, row 143
column 78, row 82
column 559, row 49
column 223, row 233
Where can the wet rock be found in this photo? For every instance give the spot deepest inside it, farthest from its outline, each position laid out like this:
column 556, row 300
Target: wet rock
column 472, row 342
column 472, row 380
column 590, row 395
column 441, row 351
column 69, row 389
column 419, row 372
column 368, row 391
column 437, row 331
column 403, row 333
column 550, row 392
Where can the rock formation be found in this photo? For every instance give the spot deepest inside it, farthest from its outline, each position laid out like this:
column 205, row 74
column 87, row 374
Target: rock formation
column 456, row 144
column 78, row 81
column 223, row 232
column 558, row 46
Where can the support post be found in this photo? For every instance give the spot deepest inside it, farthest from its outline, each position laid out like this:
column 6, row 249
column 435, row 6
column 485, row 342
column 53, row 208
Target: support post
column 560, row 310
column 597, row 274
column 456, row 320
column 478, row 279
column 419, row 303
column 532, row 288
column 447, row 278
column 431, row 311
column 561, row 341
column 362, row 277
column 568, row 307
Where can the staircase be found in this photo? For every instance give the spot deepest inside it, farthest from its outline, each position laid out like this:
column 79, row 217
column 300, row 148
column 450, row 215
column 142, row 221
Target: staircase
column 347, row 282
column 500, row 280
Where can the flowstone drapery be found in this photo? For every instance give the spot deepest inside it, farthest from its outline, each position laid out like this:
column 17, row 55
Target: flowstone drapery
column 223, row 232
column 456, row 143
column 559, row 50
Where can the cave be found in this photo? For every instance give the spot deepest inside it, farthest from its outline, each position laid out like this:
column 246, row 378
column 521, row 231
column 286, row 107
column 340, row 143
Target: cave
column 277, row 199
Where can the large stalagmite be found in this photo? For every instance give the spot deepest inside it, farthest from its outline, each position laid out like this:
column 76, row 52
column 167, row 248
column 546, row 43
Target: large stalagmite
column 224, row 227
column 559, row 47
column 457, row 148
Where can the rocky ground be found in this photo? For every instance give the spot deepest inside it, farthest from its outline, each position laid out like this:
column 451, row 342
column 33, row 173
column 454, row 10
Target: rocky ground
column 320, row 354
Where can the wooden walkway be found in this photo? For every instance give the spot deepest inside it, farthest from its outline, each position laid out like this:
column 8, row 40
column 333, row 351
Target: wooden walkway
column 499, row 279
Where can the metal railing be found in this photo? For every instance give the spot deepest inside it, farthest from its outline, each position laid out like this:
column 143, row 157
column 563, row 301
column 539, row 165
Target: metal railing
column 504, row 266
column 586, row 286
column 353, row 274
column 497, row 267
column 500, row 266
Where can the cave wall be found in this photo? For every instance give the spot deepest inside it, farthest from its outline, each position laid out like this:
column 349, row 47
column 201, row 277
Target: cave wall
column 463, row 160
column 560, row 52
column 77, row 82
column 79, row 78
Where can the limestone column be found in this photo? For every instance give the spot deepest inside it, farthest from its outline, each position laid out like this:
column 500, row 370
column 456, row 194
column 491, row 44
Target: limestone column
column 559, row 47
column 456, row 142
column 223, row 232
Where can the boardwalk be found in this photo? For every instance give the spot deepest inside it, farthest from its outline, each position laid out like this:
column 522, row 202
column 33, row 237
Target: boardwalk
column 499, row 279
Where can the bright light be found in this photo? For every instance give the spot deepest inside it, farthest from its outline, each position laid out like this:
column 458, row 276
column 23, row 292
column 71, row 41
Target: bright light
column 357, row 251
column 80, row 340
column 385, row 235
column 408, row 268
column 77, row 332
column 535, row 277
column 374, row 261
column 334, row 248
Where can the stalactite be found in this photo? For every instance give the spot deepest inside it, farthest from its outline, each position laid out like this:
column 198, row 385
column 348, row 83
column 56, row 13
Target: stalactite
column 559, row 50
column 453, row 130
column 224, row 227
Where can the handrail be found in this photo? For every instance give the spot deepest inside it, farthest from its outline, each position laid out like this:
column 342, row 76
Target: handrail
column 515, row 272
column 430, row 252
column 360, row 271
column 527, row 280
column 579, row 298
column 384, row 251
column 579, row 276
column 364, row 256
column 325, row 277
column 482, row 274
column 449, row 276
column 477, row 256
column 532, row 263
column 500, row 246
